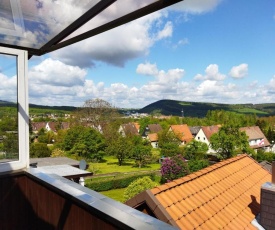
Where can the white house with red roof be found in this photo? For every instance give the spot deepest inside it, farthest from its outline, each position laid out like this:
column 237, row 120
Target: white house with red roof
column 204, row 135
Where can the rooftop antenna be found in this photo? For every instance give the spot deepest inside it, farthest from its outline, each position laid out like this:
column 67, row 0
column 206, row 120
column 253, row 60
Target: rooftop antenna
column 182, row 114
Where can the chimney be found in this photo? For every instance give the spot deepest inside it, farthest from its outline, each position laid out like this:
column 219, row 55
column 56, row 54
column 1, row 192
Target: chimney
column 267, row 213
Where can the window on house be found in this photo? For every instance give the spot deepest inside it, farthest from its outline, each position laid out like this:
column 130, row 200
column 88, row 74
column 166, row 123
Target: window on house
column 14, row 138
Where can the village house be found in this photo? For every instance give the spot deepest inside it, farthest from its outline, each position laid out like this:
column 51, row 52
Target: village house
column 153, row 139
column 151, row 128
column 182, row 132
column 204, row 135
column 129, row 129
column 256, row 138
column 194, row 130
column 49, row 126
column 227, row 195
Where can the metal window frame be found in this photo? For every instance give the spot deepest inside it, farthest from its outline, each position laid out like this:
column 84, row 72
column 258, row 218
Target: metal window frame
column 22, row 110
column 57, row 43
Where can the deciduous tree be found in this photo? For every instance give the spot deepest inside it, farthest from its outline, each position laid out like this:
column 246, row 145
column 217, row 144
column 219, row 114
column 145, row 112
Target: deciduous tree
column 195, row 150
column 120, row 148
column 228, row 141
column 84, row 142
column 142, row 154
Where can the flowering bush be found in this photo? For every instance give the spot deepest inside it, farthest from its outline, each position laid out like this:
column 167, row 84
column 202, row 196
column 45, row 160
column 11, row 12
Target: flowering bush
column 173, row 168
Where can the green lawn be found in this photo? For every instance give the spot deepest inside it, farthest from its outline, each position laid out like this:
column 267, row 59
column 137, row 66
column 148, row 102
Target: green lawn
column 115, row 194
column 110, row 165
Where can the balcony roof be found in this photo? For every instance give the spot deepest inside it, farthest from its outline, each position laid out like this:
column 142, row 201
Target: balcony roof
column 44, row 26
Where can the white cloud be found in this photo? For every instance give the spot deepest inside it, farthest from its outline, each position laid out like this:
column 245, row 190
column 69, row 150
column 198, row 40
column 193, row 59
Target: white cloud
column 168, row 84
column 167, row 31
column 271, row 85
column 8, row 88
column 55, row 73
column 183, row 41
column 239, row 71
column 211, row 73
column 147, row 69
column 119, row 45
column 196, row 6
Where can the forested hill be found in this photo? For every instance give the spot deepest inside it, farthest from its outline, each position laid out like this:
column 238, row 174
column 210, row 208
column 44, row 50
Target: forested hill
column 39, row 108
column 197, row 109
column 170, row 107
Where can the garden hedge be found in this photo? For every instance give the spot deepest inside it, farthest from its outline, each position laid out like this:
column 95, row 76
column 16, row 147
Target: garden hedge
column 121, row 181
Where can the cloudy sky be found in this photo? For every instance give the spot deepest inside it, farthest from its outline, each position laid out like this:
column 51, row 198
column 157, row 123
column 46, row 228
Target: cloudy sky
column 220, row 51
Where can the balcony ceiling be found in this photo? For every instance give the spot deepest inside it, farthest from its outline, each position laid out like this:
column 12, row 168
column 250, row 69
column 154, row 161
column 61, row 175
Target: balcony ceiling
column 42, row 26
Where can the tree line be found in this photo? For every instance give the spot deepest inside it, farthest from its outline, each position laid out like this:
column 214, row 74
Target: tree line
column 85, row 140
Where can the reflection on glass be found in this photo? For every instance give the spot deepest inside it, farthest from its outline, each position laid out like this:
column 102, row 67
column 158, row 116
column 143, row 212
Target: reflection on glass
column 115, row 11
column 32, row 23
column 8, row 109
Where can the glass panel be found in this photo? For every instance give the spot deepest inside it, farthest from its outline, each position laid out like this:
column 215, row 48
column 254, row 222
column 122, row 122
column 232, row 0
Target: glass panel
column 32, row 23
column 115, row 11
column 9, row 150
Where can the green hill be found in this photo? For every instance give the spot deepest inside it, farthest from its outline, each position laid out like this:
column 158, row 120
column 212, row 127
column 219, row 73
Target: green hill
column 198, row 109
column 165, row 107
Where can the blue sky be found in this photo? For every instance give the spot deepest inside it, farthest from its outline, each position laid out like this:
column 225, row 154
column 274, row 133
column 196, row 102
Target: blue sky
column 220, row 51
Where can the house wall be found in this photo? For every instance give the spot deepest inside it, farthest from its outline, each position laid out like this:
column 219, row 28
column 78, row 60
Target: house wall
column 154, row 144
column 202, row 138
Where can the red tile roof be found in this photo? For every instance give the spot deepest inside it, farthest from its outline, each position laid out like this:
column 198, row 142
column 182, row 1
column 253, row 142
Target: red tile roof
column 182, row 132
column 210, row 130
column 225, row 195
column 153, row 137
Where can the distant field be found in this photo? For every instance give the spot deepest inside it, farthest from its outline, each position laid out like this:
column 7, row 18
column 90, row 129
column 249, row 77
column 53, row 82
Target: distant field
column 185, row 103
column 47, row 111
column 250, row 111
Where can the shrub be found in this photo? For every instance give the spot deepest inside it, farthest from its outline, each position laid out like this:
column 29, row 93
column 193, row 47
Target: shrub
column 116, row 182
column 39, row 150
column 138, row 186
column 260, row 155
column 170, row 149
column 58, row 153
column 173, row 168
column 195, row 165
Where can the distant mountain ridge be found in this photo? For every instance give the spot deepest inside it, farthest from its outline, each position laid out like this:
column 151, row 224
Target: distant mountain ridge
column 33, row 106
column 200, row 109
column 177, row 108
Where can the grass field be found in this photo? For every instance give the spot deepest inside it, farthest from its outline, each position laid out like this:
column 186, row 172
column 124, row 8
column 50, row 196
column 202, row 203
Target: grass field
column 110, row 165
column 116, row 194
column 249, row 111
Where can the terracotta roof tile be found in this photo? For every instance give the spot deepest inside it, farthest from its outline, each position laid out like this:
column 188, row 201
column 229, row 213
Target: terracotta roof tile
column 208, row 210
column 174, row 212
column 155, row 190
column 186, row 190
column 202, row 214
column 182, row 207
column 182, row 132
column 225, row 195
column 185, row 224
column 164, row 199
column 196, row 219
